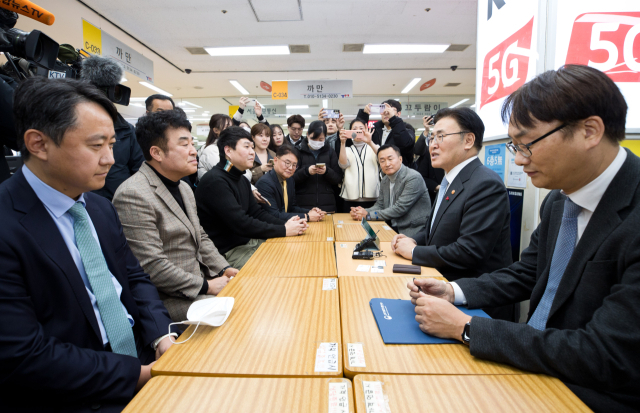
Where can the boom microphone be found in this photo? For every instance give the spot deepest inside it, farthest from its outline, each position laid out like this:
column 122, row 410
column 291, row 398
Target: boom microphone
column 106, row 73
column 32, row 11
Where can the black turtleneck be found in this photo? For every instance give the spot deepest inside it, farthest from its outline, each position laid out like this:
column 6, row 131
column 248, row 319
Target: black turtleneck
column 228, row 211
column 173, row 187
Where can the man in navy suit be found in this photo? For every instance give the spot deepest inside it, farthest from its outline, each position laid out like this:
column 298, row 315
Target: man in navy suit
column 80, row 321
column 581, row 269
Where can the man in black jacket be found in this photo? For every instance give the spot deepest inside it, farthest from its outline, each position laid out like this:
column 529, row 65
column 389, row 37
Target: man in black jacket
column 391, row 130
column 228, row 211
column 295, row 125
column 581, row 270
column 278, row 187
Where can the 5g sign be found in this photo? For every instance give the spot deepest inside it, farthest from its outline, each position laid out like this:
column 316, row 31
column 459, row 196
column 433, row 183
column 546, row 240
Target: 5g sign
column 506, row 66
column 609, row 42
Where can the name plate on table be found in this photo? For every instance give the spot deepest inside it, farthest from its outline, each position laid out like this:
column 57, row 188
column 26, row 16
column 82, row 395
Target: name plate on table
column 397, row 323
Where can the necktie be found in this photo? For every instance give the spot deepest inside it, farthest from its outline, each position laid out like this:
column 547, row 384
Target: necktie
column 113, row 317
column 443, row 190
column 286, row 196
column 565, row 245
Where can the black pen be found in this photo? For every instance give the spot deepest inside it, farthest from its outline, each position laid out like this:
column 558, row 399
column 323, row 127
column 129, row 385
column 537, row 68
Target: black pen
column 419, row 289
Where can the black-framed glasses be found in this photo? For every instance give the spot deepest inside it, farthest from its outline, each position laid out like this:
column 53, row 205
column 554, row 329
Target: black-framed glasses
column 524, row 149
column 438, row 138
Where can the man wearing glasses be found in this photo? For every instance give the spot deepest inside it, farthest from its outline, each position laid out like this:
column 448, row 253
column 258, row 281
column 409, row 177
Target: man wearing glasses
column 278, row 187
column 581, row 270
column 467, row 233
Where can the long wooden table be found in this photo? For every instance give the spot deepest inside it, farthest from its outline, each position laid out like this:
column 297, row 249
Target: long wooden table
column 347, row 266
column 342, row 218
column 303, row 259
column 275, row 329
column 359, row 326
column 353, row 231
column 321, row 231
column 469, row 394
column 167, row 394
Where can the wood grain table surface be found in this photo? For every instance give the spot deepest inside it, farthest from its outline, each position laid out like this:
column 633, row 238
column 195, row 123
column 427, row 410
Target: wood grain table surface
column 359, row 326
column 274, row 330
column 173, row 394
column 347, row 266
column 317, row 232
column 470, row 394
column 342, row 218
column 304, row 259
column 353, row 231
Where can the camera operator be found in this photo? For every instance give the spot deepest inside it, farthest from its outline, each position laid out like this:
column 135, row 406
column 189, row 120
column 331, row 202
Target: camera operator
column 106, row 73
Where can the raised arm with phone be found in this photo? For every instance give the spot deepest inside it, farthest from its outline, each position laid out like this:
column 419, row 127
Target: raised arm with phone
column 242, row 105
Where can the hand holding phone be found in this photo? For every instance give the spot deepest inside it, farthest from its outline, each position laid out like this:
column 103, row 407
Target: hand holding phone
column 331, row 113
column 376, row 109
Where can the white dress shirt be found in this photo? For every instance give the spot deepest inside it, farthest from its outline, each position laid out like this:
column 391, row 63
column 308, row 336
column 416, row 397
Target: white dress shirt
column 385, row 135
column 588, row 197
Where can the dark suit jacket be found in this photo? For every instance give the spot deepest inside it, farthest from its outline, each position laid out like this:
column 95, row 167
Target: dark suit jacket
column 270, row 188
column 471, row 232
column 51, row 349
column 399, row 136
column 592, row 339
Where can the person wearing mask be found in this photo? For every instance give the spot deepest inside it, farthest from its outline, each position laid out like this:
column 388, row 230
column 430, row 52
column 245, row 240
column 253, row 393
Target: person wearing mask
column 237, row 117
column 277, row 137
column 432, row 176
column 391, row 130
column 361, row 183
column 104, row 72
column 279, row 188
column 403, row 202
column 334, row 126
column 160, row 220
column 468, row 232
column 318, row 171
column 581, row 269
column 263, row 161
column 80, row 321
column 157, row 103
column 295, row 125
column 228, row 213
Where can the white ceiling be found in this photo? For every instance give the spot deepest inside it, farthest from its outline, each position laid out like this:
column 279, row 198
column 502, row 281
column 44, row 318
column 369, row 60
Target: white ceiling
column 168, row 26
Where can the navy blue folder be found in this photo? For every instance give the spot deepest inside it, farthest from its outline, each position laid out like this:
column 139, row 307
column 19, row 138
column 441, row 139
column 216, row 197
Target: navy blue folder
column 397, row 323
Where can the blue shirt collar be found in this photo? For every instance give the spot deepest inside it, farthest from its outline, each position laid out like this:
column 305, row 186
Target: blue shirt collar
column 54, row 200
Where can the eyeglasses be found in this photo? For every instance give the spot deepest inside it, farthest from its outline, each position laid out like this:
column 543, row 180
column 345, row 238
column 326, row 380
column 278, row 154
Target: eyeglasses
column 440, row 137
column 288, row 165
column 525, row 149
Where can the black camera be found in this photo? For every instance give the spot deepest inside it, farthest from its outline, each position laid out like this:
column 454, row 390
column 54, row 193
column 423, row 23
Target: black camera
column 35, row 46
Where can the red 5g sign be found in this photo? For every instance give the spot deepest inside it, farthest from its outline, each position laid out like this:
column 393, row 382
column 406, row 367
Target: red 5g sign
column 609, row 42
column 506, row 66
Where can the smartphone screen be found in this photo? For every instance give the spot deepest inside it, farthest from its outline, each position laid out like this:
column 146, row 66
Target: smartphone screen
column 332, row 113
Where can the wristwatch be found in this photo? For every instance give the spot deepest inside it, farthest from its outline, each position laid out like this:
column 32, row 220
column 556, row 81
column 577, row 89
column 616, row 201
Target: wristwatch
column 466, row 338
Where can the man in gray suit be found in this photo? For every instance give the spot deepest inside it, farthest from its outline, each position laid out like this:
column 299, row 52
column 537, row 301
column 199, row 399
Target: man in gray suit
column 468, row 231
column 160, row 220
column 403, row 201
column 581, row 270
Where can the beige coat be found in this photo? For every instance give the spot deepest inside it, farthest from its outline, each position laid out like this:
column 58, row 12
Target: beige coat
column 172, row 247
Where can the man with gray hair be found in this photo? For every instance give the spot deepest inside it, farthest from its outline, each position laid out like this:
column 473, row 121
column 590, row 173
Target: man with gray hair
column 105, row 74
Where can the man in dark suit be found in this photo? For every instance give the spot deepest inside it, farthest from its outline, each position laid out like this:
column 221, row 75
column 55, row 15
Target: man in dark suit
column 582, row 267
column 467, row 233
column 391, row 130
column 80, row 321
column 274, row 183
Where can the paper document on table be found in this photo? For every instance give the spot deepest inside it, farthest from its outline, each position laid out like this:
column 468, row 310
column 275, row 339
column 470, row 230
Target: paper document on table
column 356, row 355
column 380, row 263
column 387, row 227
column 327, row 357
column 363, row 268
column 338, row 398
column 374, row 397
column 377, row 269
column 329, row 284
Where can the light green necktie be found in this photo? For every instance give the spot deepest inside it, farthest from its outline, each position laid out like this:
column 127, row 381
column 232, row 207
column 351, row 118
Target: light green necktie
column 114, row 318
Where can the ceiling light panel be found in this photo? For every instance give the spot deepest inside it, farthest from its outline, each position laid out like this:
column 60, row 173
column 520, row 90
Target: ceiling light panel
column 411, row 85
column 238, row 86
column 247, row 50
column 157, row 89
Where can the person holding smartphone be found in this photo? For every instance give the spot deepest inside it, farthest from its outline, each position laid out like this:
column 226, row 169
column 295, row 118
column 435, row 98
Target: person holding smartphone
column 318, row 172
column 242, row 105
column 361, row 185
column 263, row 161
column 334, row 126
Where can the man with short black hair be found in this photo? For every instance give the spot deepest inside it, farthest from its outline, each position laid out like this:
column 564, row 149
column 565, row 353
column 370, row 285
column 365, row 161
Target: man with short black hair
column 391, row 130
column 160, row 219
column 279, row 188
column 295, row 125
column 158, row 103
column 80, row 321
column 581, row 269
column 403, row 201
column 468, row 232
column 227, row 209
